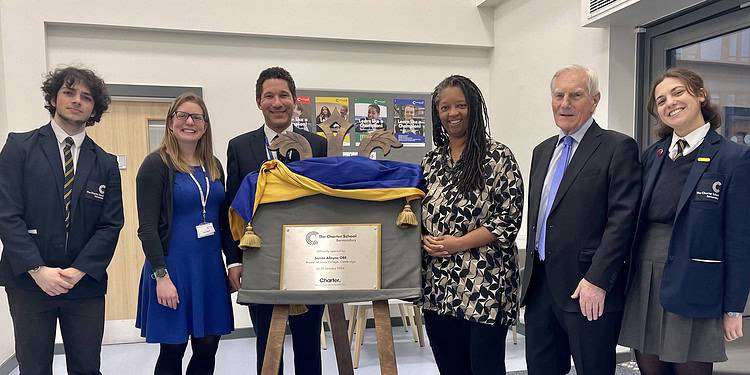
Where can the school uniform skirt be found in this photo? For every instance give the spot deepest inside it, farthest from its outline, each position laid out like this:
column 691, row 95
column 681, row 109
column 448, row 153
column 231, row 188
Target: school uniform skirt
column 648, row 328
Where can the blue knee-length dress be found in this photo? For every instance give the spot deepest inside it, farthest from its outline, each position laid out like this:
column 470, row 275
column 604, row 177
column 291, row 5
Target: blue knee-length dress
column 196, row 268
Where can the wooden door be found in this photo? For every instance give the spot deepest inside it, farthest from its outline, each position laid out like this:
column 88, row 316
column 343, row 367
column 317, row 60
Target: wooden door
column 124, row 131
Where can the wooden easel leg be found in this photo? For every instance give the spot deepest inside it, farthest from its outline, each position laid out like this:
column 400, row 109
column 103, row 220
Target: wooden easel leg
column 337, row 323
column 275, row 343
column 384, row 334
column 418, row 324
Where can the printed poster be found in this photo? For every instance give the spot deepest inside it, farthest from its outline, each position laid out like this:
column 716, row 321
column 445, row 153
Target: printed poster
column 303, row 114
column 324, row 107
column 409, row 121
column 370, row 114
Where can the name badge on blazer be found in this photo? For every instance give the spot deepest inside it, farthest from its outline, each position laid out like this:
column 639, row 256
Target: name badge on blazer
column 95, row 191
column 709, row 189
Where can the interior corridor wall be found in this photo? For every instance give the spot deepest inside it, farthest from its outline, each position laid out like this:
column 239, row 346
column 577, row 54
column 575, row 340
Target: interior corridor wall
column 226, row 67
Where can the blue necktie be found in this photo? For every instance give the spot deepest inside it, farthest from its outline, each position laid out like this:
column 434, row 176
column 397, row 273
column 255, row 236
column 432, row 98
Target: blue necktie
column 557, row 176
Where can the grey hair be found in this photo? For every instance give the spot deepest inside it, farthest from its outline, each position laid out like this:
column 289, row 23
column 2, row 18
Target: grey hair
column 592, row 84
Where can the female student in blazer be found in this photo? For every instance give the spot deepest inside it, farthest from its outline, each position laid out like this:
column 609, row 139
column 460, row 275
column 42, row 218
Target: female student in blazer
column 184, row 291
column 688, row 281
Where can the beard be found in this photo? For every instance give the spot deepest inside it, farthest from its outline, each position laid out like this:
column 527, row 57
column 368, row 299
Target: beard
column 72, row 121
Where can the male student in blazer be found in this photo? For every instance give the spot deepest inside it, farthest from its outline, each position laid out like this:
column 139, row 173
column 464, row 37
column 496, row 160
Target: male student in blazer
column 583, row 196
column 60, row 217
column 275, row 95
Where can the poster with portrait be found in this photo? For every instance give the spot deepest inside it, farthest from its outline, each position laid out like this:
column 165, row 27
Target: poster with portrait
column 303, row 114
column 369, row 115
column 324, row 107
column 409, row 121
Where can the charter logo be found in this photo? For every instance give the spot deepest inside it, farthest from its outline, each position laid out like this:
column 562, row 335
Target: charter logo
column 329, row 280
column 310, row 238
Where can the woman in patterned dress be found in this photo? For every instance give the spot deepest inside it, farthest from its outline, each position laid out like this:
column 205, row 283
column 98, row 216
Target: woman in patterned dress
column 471, row 215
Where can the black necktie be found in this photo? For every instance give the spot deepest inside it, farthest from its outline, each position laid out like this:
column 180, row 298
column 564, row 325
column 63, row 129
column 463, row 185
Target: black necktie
column 69, row 176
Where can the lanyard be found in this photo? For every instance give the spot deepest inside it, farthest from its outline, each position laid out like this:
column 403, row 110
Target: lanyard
column 204, row 199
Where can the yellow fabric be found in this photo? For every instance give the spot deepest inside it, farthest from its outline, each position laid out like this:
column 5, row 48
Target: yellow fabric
column 277, row 183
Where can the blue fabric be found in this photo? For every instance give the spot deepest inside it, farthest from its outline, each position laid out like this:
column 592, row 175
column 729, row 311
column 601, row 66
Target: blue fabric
column 196, row 268
column 557, row 177
column 338, row 172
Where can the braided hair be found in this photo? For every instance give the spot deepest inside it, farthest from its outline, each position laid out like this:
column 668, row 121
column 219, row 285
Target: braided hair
column 477, row 134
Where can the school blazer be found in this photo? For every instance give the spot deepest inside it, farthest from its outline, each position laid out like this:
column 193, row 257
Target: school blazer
column 707, row 267
column 32, row 215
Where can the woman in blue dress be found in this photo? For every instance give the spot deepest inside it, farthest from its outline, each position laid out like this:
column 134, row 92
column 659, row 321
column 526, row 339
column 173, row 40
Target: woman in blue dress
column 184, row 291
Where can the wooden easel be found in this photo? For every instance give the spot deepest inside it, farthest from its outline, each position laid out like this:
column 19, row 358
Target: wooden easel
column 383, row 332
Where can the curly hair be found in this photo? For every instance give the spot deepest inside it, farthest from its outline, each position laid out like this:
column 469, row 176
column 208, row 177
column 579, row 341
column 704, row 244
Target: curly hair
column 69, row 77
column 471, row 177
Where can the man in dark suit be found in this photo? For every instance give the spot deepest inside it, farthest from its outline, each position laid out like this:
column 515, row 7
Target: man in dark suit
column 583, row 197
column 275, row 95
column 60, row 217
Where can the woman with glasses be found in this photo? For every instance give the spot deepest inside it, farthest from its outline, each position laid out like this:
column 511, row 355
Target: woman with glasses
column 184, row 291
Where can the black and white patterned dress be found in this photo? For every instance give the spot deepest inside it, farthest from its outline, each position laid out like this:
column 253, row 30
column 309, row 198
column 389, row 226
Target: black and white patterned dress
column 479, row 284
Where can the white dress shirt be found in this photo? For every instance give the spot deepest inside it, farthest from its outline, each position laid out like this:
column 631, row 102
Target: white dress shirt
column 61, row 135
column 693, row 139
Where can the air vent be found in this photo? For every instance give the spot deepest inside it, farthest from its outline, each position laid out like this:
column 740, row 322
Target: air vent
column 596, row 5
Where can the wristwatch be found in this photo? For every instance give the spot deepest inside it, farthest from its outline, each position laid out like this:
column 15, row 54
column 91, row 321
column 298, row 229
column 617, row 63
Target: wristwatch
column 160, row 273
column 734, row 314
column 35, row 269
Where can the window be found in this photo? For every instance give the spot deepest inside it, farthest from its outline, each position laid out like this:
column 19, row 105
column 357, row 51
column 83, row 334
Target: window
column 712, row 40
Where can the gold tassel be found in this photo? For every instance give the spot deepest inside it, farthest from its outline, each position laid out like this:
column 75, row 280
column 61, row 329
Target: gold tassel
column 406, row 218
column 250, row 239
column 297, row 309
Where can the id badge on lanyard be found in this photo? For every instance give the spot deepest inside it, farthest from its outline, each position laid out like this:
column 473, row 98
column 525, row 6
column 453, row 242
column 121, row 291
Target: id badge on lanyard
column 205, row 228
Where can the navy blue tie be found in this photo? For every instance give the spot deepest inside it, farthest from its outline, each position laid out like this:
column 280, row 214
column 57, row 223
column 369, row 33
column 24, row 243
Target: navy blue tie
column 557, row 177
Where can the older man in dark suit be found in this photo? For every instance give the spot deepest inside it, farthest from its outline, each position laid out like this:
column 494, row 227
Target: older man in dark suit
column 583, row 196
column 60, row 218
column 275, row 95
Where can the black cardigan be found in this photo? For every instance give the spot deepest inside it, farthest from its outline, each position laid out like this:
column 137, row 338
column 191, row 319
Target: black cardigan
column 154, row 185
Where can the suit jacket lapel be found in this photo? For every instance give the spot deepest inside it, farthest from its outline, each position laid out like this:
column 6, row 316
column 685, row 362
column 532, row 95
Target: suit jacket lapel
column 650, row 181
column 708, row 149
column 535, row 190
column 86, row 161
column 52, row 152
column 258, row 146
column 589, row 144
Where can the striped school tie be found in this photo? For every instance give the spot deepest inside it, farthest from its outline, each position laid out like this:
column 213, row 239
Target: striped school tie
column 681, row 146
column 69, row 176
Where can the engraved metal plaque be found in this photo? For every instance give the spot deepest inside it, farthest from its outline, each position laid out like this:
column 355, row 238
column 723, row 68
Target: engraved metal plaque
column 330, row 257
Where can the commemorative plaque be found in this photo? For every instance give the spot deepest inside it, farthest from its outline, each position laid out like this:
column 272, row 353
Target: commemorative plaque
column 330, row 257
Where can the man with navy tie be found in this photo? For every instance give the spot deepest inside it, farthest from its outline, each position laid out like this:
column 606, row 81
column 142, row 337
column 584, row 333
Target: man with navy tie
column 60, row 218
column 584, row 189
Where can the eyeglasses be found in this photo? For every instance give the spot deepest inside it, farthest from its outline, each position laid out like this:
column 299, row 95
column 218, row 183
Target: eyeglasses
column 183, row 116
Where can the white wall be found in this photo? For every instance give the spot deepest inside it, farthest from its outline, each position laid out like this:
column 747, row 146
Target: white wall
column 417, row 22
column 534, row 38
column 226, row 66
